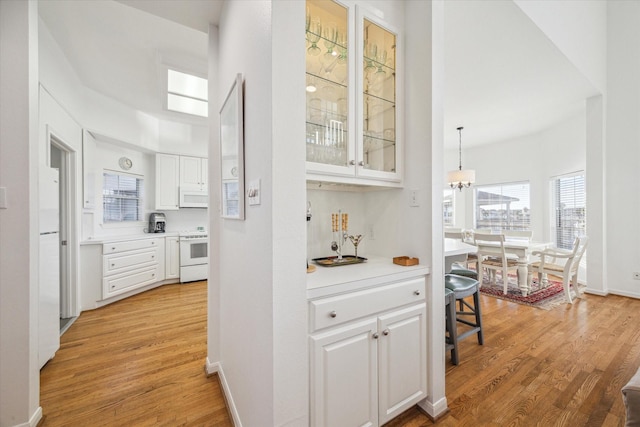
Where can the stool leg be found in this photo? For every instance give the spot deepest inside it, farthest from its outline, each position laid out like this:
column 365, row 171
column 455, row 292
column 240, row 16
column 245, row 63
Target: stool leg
column 476, row 302
column 452, row 330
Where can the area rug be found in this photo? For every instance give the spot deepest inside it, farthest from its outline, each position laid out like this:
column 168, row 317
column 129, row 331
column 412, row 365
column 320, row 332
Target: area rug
column 544, row 298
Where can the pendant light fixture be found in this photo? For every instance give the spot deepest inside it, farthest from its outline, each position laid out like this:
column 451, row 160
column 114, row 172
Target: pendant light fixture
column 461, row 178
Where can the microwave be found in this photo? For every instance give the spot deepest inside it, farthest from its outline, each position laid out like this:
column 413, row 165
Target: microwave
column 190, row 198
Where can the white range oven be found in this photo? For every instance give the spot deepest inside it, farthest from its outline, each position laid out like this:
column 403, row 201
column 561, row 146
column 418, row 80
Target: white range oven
column 194, row 256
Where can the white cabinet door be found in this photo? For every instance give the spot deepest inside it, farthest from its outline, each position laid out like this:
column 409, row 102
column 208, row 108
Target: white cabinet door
column 172, row 258
column 344, row 377
column 204, row 174
column 167, row 181
column 402, row 355
column 191, row 172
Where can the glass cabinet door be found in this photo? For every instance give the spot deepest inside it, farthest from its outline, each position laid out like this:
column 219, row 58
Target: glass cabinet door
column 378, row 151
column 327, row 72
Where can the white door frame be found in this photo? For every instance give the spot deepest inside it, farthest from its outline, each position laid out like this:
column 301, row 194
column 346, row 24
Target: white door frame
column 69, row 215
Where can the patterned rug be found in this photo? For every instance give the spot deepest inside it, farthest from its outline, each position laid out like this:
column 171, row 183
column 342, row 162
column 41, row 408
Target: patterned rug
column 544, row 298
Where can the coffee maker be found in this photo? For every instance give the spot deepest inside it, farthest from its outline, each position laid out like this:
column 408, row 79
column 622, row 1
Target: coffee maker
column 156, row 222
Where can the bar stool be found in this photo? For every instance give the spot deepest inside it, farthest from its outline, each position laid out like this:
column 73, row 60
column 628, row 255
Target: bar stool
column 451, row 340
column 463, row 287
column 460, row 270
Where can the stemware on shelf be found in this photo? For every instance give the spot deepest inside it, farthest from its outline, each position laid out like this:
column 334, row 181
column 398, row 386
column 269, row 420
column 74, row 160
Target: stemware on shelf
column 313, row 35
column 330, row 38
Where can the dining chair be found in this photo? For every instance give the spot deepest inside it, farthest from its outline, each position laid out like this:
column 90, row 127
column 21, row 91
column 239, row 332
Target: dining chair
column 560, row 262
column 524, row 235
column 492, row 256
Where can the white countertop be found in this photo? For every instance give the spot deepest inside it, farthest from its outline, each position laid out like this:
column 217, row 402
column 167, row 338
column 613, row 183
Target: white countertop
column 110, row 239
column 347, row 278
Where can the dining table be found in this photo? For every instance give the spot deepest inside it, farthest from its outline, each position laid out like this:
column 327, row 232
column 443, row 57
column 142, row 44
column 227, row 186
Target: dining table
column 456, row 250
column 521, row 249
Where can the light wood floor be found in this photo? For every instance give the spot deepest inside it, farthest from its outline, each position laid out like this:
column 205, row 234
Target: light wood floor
column 139, row 362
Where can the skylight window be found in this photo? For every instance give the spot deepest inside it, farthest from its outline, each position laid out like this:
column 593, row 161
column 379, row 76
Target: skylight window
column 187, row 93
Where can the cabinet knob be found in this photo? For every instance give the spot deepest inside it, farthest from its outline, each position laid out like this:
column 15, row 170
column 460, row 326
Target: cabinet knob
column 386, row 332
column 375, row 335
column 153, row 243
column 361, row 162
column 416, row 292
column 113, row 265
column 113, row 248
column 153, row 275
column 153, row 256
column 333, row 314
column 352, row 162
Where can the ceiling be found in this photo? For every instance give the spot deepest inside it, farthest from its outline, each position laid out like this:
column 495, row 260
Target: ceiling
column 504, row 78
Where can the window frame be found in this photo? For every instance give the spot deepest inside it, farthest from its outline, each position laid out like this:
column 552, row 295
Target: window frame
column 452, row 222
column 493, row 227
column 140, row 197
column 553, row 211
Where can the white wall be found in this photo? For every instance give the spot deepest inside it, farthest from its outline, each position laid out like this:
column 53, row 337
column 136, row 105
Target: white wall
column 536, row 158
column 623, row 148
column 578, row 29
column 19, row 374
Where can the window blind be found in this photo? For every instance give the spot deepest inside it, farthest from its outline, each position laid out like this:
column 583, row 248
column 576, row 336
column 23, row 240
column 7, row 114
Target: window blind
column 502, row 207
column 122, row 197
column 569, row 202
column 448, row 207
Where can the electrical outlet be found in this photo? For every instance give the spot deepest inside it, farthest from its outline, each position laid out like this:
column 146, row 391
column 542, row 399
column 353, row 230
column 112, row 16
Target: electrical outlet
column 636, row 276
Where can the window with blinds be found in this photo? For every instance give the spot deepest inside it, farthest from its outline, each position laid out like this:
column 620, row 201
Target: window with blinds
column 122, row 197
column 570, row 206
column 502, row 207
column 448, row 207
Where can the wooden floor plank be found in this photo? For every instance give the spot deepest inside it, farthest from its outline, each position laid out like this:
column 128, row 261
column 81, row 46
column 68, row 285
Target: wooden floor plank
column 139, row 362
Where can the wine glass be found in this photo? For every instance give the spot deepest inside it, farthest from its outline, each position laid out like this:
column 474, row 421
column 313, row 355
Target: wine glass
column 381, row 59
column 370, row 53
column 341, row 41
column 313, row 35
column 356, row 241
column 330, row 38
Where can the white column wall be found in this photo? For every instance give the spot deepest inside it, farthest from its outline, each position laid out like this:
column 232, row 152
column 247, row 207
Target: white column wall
column 246, row 258
column 19, row 245
column 622, row 132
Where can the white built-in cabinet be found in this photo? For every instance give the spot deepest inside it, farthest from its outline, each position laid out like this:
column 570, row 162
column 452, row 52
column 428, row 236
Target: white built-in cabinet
column 174, row 172
column 167, row 181
column 368, row 354
column 172, row 258
column 354, row 95
column 131, row 264
column 194, row 173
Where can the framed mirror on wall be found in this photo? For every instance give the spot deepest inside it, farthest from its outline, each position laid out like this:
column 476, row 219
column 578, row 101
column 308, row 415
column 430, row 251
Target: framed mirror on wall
column 232, row 152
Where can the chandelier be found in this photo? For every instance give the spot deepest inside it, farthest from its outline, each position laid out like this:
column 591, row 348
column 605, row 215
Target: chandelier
column 461, row 178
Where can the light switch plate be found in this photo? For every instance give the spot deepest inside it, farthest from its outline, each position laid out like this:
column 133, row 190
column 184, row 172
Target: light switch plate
column 253, row 192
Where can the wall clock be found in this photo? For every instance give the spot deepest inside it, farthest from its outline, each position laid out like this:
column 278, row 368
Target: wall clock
column 125, row 163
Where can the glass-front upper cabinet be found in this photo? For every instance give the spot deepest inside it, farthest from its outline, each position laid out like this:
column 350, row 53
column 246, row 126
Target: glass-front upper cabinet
column 352, row 88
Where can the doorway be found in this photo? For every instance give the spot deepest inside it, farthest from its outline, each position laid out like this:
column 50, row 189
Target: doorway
column 63, row 158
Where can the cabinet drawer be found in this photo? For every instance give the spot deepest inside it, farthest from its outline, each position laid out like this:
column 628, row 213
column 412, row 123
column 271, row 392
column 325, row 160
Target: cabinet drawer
column 117, row 262
column 335, row 310
column 119, row 283
column 130, row 245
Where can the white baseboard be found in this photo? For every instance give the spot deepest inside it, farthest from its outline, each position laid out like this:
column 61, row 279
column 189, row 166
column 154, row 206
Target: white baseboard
column 35, row 418
column 596, row 292
column 434, row 409
column 216, row 367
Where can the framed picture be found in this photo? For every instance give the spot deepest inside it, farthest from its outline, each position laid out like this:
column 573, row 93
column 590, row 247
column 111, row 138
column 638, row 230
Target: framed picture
column 232, row 152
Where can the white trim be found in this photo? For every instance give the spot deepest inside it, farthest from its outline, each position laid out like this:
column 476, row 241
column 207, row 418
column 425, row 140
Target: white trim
column 35, row 418
column 604, row 293
column 216, row 367
column 434, row 409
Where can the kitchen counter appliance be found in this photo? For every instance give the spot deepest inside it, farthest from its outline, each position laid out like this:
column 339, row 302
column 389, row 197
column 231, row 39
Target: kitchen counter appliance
column 157, row 222
column 194, row 256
